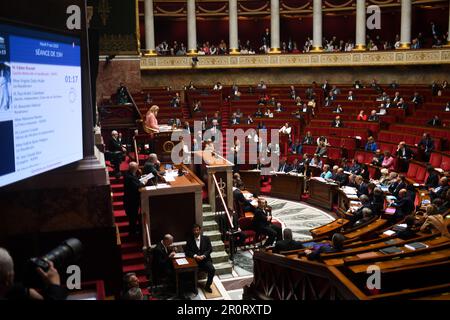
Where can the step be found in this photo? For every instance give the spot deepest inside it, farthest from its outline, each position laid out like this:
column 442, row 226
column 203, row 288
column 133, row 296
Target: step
column 206, row 208
column 223, row 268
column 219, row 256
column 132, row 258
column 130, row 247
column 210, row 225
column 218, row 245
column 139, row 269
column 213, row 235
column 208, row 216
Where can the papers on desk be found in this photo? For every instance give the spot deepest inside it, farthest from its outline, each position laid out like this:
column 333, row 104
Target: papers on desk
column 349, row 190
column 169, row 176
column 347, row 172
column 254, row 203
column 248, row 195
column 181, row 261
column 355, row 203
column 146, row 177
column 384, row 188
column 389, row 232
column 159, row 186
column 165, row 128
column 320, row 179
column 391, row 198
column 179, row 255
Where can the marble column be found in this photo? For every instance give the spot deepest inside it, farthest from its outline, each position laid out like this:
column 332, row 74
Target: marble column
column 191, row 27
column 275, row 26
column 233, row 18
column 149, row 27
column 360, row 43
column 448, row 36
column 405, row 28
column 317, row 25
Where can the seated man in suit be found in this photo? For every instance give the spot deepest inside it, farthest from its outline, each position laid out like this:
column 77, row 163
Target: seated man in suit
column 441, row 190
column 199, row 247
column 341, row 177
column 287, row 244
column 399, row 184
column 361, row 186
column 297, row 147
column 336, row 245
column 434, row 122
column 262, row 223
column 433, row 178
column 239, row 198
column 377, row 201
column 358, row 214
column 152, row 166
column 162, row 254
column 366, row 216
column 116, row 151
column 404, row 205
column 337, row 123
column 283, row 167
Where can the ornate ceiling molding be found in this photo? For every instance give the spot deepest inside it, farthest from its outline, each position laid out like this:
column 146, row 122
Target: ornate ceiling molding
column 351, row 59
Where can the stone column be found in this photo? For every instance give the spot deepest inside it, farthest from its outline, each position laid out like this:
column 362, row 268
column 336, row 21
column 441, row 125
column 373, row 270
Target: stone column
column 360, row 43
column 233, row 17
column 275, row 26
column 149, row 28
column 448, row 36
column 405, row 28
column 317, row 26
column 192, row 27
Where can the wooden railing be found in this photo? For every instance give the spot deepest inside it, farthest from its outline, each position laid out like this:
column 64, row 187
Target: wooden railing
column 230, row 220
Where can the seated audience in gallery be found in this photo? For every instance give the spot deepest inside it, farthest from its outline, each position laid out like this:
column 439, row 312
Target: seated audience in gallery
column 341, row 178
column 371, row 145
column 361, row 116
column 378, row 158
column 338, row 109
column 441, row 190
column 417, row 99
column 373, row 117
column 434, row 122
column 259, row 113
column 315, row 161
column 404, row 206
column 337, row 122
column 296, row 147
column 326, row 172
column 308, row 139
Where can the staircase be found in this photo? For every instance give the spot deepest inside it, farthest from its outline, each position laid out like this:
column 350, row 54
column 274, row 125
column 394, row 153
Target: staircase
column 219, row 255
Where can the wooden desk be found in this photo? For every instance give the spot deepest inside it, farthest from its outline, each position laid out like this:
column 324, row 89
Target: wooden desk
column 192, row 266
column 322, row 193
column 252, row 181
column 180, row 203
column 287, row 186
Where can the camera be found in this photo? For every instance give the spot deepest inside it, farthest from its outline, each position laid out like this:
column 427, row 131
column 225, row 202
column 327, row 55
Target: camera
column 62, row 256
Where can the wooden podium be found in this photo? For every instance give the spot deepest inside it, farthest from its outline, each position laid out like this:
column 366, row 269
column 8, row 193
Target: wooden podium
column 252, row 181
column 287, row 186
column 322, row 193
column 173, row 207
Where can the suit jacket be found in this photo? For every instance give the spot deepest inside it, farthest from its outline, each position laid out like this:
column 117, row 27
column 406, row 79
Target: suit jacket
column 260, row 219
column 308, row 140
column 396, row 187
column 342, row 179
column 440, row 193
column 362, row 189
column 407, row 153
column 427, row 145
column 131, row 194
column 432, row 181
column 238, row 196
column 335, row 124
column 205, row 248
column 287, row 245
column 404, row 207
column 434, row 122
column 114, row 145
column 284, row 168
column 161, row 263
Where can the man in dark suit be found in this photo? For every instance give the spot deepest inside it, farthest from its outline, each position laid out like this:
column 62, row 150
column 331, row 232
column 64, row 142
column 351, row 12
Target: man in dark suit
column 358, row 214
column 433, row 178
column 441, row 189
column 361, row 186
column 116, row 152
column 404, row 154
column 262, row 223
column 161, row 258
column 404, row 205
column 287, row 244
column 132, row 196
column 426, row 144
column 199, row 247
column 341, row 177
column 337, row 123
column 239, row 198
column 434, row 122
column 398, row 185
column 297, row 147
column 284, row 167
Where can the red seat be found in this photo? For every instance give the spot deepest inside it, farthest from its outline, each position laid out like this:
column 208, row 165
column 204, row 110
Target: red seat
column 412, row 171
column 420, row 174
column 436, row 159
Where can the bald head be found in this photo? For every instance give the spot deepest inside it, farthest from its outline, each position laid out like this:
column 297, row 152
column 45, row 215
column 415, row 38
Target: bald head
column 402, row 193
column 133, row 167
column 6, row 270
column 168, row 240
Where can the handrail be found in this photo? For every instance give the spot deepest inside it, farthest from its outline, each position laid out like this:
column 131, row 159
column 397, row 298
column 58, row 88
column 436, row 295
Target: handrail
column 146, row 232
column 134, row 104
column 136, row 150
column 223, row 201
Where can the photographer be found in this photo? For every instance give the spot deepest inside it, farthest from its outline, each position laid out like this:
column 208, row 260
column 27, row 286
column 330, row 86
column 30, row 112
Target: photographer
column 13, row 291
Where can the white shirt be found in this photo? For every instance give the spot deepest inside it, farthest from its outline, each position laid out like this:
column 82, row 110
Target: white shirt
column 285, row 130
column 197, row 242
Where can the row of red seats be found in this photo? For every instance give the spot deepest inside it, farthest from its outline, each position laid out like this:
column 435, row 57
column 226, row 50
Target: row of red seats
column 410, row 139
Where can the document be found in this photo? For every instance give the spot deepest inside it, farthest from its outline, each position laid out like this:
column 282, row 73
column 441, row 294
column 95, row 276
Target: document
column 179, row 255
column 182, row 261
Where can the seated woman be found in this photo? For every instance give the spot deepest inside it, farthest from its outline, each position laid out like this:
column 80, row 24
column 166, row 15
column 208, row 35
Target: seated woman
column 286, row 129
column 151, row 123
column 336, row 245
column 361, row 116
column 388, row 161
